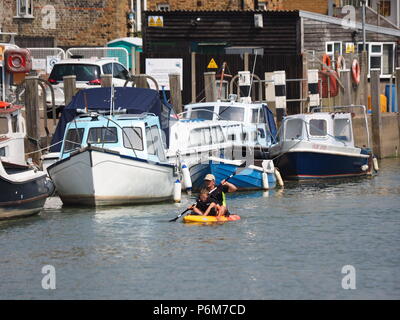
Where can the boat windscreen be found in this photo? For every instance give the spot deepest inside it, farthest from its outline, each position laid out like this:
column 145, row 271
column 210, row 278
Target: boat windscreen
column 206, row 113
column 231, row 113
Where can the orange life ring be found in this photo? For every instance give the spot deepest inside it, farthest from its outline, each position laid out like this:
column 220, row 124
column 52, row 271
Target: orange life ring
column 4, row 104
column 326, row 62
column 340, row 63
column 356, row 71
column 332, row 89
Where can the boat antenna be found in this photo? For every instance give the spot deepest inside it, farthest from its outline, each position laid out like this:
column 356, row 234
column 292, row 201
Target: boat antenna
column 221, row 81
column 252, row 73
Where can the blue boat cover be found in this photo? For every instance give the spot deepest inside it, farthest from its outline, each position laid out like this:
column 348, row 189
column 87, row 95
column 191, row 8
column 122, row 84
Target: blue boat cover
column 270, row 120
column 134, row 100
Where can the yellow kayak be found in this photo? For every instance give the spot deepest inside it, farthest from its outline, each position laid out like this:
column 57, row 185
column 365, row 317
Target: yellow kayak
column 210, row 219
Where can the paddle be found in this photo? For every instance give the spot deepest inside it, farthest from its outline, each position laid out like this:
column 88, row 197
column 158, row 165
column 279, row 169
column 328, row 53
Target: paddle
column 219, row 186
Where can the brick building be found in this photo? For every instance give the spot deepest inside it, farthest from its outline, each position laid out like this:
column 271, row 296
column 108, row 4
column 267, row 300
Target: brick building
column 64, row 23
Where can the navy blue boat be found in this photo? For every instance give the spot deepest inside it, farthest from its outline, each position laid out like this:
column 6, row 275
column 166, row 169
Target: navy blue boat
column 23, row 190
column 318, row 146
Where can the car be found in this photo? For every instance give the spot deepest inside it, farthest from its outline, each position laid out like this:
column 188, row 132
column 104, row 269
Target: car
column 88, row 74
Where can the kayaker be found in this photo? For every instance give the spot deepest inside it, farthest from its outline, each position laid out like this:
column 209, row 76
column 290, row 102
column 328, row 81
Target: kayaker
column 205, row 206
column 218, row 195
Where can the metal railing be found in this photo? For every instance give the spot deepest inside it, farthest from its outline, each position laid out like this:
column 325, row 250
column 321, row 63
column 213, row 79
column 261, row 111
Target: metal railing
column 121, row 54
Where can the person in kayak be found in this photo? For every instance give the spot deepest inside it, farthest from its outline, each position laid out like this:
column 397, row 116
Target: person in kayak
column 218, row 194
column 205, row 206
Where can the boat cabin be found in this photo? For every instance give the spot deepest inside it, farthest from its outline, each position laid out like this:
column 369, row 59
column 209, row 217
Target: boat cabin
column 137, row 136
column 199, row 136
column 251, row 123
column 12, row 134
column 320, row 127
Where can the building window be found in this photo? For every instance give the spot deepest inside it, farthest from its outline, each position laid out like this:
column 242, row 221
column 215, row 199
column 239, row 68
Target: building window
column 24, row 8
column 262, row 5
column 333, row 48
column 163, row 7
column 381, row 56
column 384, row 8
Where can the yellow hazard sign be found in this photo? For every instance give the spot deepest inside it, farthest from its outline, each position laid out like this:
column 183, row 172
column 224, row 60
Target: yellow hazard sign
column 212, row 64
column 156, row 21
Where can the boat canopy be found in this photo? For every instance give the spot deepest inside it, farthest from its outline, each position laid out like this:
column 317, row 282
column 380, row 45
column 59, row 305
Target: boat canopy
column 133, row 100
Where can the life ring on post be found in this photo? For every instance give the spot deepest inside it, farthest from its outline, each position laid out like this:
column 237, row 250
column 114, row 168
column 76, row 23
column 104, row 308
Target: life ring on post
column 356, row 71
column 340, row 63
column 326, row 60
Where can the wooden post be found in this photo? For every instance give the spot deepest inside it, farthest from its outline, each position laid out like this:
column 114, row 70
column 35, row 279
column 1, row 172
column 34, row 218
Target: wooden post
column 69, row 88
column 363, row 87
column 194, row 77
column 32, row 117
column 304, row 92
column 376, row 120
column 141, row 81
column 210, row 88
column 246, row 62
column 346, row 92
column 137, row 63
column 133, row 60
column 175, row 91
column 106, row 80
column 398, row 88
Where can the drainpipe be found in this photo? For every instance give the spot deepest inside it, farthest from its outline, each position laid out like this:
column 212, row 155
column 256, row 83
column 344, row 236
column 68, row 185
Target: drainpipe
column 363, row 25
column 242, row 4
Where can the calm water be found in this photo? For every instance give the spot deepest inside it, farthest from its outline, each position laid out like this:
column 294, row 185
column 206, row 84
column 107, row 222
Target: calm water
column 290, row 244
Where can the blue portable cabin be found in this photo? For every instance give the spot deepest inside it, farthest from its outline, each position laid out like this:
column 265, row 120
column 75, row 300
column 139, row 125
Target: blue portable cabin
column 128, row 43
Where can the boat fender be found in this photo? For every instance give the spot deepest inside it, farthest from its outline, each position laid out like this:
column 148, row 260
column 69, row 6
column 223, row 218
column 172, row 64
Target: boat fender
column 364, row 167
column 278, row 177
column 375, row 163
column 265, row 181
column 177, row 191
column 187, row 181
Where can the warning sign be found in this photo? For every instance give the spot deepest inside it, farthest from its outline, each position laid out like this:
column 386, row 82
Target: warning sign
column 212, row 64
column 156, row 21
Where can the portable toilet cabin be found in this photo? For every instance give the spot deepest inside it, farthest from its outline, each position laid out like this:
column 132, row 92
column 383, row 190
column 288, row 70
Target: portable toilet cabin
column 131, row 44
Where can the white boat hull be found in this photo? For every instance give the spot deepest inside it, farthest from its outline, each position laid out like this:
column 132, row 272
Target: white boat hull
column 94, row 177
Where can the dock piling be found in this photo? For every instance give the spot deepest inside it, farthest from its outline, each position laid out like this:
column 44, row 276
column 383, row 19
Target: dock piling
column 32, row 117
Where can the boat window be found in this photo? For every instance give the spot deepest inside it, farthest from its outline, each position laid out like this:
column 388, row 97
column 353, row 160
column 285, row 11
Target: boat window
column 195, row 137
column 3, row 125
column 231, row 113
column 133, row 138
column 318, row 127
column 158, row 143
column 14, row 123
column 3, row 152
column 206, row 113
column 102, row 135
column 294, row 129
column 149, row 142
column 206, row 136
column 220, row 135
column 341, row 129
column 254, row 115
column 73, row 139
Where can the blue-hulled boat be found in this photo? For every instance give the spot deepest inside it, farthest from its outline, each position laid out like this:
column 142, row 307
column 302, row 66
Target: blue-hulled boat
column 250, row 178
column 246, row 130
column 24, row 189
column 320, row 145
